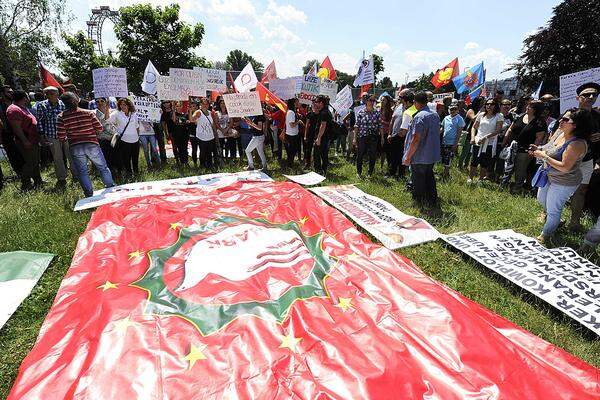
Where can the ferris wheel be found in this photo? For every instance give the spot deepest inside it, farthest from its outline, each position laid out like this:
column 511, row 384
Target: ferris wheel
column 97, row 18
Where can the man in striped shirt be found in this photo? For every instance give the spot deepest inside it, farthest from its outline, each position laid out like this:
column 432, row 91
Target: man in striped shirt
column 80, row 128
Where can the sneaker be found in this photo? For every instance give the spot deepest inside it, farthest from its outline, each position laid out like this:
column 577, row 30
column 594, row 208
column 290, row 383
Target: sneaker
column 469, row 181
column 249, row 168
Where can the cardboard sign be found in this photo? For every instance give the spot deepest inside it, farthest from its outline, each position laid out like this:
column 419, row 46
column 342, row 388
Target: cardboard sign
column 328, row 88
column 166, row 89
column 243, row 104
column 110, row 82
column 569, row 83
column 343, row 101
column 309, row 90
column 286, row 88
column 146, row 108
column 188, row 82
column 308, row 179
column 213, row 79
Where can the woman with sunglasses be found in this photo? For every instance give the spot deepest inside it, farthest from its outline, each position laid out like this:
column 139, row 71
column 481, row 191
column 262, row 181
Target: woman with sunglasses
column 484, row 137
column 562, row 157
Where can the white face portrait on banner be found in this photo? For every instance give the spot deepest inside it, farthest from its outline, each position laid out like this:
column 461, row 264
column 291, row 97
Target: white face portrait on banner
column 246, row 80
column 150, row 78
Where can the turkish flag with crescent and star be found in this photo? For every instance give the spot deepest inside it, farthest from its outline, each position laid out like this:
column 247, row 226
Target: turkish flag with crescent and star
column 262, row 291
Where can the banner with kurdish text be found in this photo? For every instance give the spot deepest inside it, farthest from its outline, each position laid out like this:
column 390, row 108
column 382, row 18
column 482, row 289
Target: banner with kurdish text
column 258, row 290
column 19, row 273
column 390, row 226
column 146, row 108
column 558, row 276
column 244, row 104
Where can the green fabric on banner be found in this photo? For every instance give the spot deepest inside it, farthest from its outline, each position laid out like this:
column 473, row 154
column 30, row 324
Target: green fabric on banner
column 23, row 265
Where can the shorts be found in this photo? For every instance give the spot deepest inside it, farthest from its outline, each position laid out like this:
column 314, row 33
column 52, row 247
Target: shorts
column 482, row 159
column 587, row 168
column 447, row 154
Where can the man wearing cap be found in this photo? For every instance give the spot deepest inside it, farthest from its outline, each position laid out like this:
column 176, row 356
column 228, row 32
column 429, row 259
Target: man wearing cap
column 452, row 126
column 587, row 94
column 47, row 112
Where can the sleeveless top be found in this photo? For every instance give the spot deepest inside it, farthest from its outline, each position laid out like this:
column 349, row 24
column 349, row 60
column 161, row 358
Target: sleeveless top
column 570, row 178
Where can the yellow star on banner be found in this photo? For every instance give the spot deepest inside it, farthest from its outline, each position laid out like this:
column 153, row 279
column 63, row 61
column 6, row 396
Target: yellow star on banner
column 175, row 225
column 122, row 325
column 352, row 256
column 290, row 342
column 303, row 220
column 134, row 254
column 194, row 355
column 264, row 214
column 344, row 303
column 107, row 285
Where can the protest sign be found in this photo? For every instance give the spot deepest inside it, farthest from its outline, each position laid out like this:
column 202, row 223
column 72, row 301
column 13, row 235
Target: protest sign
column 390, row 226
column 309, row 90
column 213, row 79
column 146, row 108
column 187, row 82
column 441, row 96
column 285, row 89
column 139, row 189
column 558, row 276
column 166, row 89
column 343, row 100
column 328, row 88
column 308, row 179
column 110, row 82
column 569, row 83
column 243, row 104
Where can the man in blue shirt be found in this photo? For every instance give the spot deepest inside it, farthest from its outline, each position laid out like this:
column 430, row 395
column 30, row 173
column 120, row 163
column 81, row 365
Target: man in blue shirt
column 452, row 126
column 422, row 151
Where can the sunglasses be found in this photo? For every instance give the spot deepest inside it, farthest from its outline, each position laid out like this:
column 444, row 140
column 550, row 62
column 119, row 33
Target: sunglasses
column 566, row 120
column 589, row 95
column 489, row 104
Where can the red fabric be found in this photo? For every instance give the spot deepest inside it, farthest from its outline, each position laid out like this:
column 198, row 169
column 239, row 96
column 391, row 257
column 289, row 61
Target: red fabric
column 25, row 119
column 365, row 88
column 443, row 76
column 269, row 98
column 48, row 79
column 401, row 336
column 78, row 126
column 269, row 74
column 327, row 64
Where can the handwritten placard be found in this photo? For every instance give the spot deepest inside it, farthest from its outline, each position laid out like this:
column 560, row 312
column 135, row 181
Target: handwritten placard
column 110, row 82
column 188, row 82
column 146, row 108
column 569, row 83
column 213, row 79
column 243, row 104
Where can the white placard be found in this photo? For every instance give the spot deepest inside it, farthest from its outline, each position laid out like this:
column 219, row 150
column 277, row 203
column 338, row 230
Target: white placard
column 328, row 88
column 309, row 90
column 146, row 108
column 558, row 276
column 569, row 83
column 285, row 89
column 308, row 179
column 243, row 104
column 390, row 226
column 110, row 82
column 441, row 96
column 188, row 82
column 213, row 79
column 343, row 100
column 166, row 89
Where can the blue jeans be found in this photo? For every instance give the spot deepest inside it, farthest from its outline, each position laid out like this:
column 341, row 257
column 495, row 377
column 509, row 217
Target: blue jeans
column 90, row 151
column 150, row 149
column 553, row 197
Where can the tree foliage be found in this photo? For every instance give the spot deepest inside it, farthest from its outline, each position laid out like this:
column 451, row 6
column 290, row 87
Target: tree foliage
column 422, row 83
column 78, row 59
column 567, row 44
column 377, row 65
column 157, row 34
column 385, row 83
column 27, row 32
column 308, row 65
column 237, row 60
column 344, row 79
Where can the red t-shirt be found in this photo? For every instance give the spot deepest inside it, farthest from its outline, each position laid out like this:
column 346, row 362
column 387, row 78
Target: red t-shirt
column 279, row 118
column 23, row 117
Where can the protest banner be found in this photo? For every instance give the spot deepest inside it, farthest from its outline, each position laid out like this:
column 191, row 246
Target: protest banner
column 570, row 82
column 390, row 226
column 286, row 88
column 110, row 82
column 243, row 104
column 558, row 276
column 146, row 108
column 441, row 96
column 19, row 273
column 343, row 100
column 259, row 290
column 309, row 90
column 166, row 89
column 213, row 79
column 308, row 179
column 328, row 88
column 139, row 189
column 188, row 82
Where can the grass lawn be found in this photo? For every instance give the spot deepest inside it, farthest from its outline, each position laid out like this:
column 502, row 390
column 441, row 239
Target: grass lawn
column 44, row 222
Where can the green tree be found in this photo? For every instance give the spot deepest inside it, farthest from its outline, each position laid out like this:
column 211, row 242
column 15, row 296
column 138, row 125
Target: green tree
column 422, row 83
column 78, row 59
column 237, row 60
column 27, row 32
column 157, row 34
column 343, row 79
column 567, row 44
column 377, row 65
column 385, row 83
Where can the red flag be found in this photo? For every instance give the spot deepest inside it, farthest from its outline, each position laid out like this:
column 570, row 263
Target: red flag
column 213, row 95
column 232, row 82
column 365, row 88
column 259, row 290
column 269, row 74
column 48, row 79
column 270, row 98
column 444, row 75
column 326, row 64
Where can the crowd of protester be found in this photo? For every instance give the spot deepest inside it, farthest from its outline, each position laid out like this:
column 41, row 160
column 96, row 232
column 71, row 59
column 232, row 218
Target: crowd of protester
column 524, row 146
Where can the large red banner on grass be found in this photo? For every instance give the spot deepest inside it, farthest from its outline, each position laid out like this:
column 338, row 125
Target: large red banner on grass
column 262, row 291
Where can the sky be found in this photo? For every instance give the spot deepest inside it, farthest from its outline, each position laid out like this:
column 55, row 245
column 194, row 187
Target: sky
column 412, row 39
